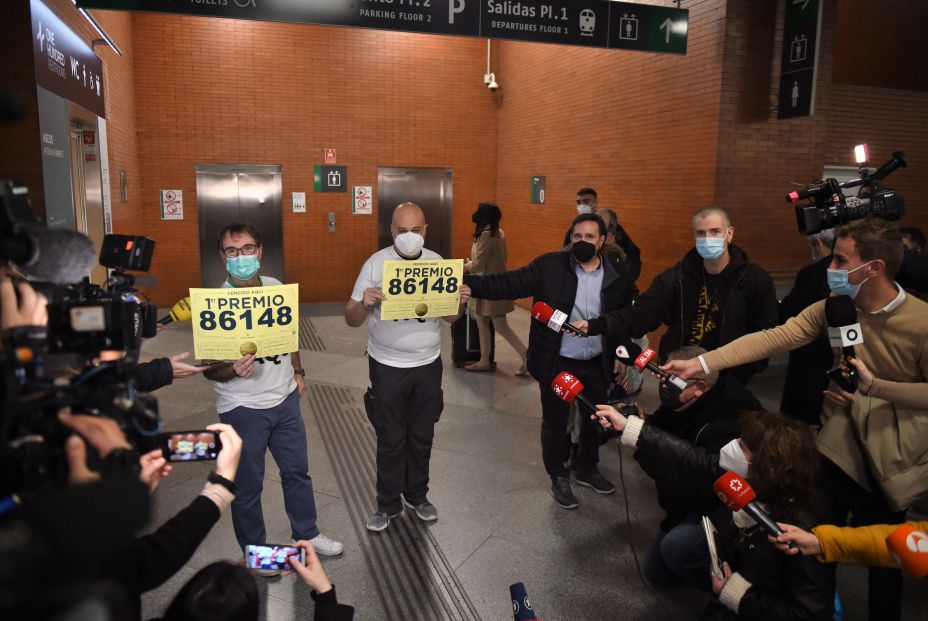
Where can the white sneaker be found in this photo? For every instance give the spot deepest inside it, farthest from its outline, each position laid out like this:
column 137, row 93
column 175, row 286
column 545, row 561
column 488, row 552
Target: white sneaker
column 326, row 546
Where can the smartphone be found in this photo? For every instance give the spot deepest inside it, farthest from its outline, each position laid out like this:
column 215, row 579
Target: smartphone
column 847, row 382
column 272, row 556
column 198, row 445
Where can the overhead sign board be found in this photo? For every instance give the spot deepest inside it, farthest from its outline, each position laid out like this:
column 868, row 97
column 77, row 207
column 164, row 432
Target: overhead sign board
column 799, row 62
column 589, row 23
column 64, row 64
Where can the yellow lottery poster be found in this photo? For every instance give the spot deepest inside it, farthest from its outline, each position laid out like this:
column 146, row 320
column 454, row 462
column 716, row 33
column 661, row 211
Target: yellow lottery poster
column 420, row 289
column 229, row 323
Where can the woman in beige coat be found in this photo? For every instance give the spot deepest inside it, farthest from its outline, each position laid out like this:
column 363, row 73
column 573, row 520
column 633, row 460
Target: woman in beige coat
column 488, row 256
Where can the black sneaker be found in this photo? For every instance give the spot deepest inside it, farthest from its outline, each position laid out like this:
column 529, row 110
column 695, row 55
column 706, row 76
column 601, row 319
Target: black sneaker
column 594, row 480
column 560, row 491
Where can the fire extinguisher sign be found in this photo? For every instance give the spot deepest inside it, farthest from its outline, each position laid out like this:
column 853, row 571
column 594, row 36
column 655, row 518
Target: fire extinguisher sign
column 330, row 178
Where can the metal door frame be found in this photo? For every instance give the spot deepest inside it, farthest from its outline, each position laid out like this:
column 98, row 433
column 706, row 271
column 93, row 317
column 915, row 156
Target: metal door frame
column 409, row 170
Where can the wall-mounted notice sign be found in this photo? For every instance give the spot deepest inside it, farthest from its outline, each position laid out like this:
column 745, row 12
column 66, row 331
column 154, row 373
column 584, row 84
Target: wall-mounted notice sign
column 330, row 178
column 590, row 23
column 298, row 200
column 363, row 202
column 172, row 205
column 538, row 190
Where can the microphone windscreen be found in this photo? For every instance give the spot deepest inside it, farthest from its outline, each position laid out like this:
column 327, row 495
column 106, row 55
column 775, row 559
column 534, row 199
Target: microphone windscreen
column 840, row 311
column 62, row 256
column 734, row 491
column 628, row 351
column 542, row 312
column 909, row 547
column 566, row 386
column 181, row 310
column 521, row 608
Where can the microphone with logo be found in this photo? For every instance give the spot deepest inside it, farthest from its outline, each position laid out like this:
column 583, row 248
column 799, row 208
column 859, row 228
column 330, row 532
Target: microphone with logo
column 844, row 332
column 737, row 495
column 555, row 319
column 521, row 608
column 909, row 547
column 630, row 354
column 179, row 312
column 569, row 388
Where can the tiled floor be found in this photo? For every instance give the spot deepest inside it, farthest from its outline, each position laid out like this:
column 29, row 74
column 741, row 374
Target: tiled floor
column 497, row 524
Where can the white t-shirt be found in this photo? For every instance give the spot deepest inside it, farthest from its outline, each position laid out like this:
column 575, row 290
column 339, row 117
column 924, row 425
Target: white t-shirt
column 397, row 343
column 271, row 383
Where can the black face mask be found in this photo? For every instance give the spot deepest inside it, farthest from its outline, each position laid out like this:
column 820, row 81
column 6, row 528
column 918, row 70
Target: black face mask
column 670, row 397
column 583, row 251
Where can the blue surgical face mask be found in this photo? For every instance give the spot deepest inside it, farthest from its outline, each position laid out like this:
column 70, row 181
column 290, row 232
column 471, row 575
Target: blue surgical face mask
column 710, row 248
column 244, row 266
column 839, row 285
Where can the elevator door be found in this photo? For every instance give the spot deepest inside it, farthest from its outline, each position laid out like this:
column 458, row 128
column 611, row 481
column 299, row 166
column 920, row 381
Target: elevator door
column 430, row 188
column 87, row 188
column 229, row 194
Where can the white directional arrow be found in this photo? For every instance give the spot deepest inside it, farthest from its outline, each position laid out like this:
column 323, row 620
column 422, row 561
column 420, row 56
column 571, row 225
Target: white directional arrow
column 667, row 25
column 804, row 3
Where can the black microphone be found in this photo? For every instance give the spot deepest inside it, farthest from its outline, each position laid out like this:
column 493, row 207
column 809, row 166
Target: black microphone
column 844, row 332
column 630, row 353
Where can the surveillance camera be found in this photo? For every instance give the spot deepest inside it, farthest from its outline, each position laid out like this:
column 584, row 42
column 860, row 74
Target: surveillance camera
column 491, row 84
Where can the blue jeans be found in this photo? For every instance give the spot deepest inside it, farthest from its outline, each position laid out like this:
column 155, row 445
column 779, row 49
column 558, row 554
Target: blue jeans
column 680, row 556
column 281, row 429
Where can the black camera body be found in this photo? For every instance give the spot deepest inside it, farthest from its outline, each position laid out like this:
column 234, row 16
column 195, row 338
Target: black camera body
column 828, row 206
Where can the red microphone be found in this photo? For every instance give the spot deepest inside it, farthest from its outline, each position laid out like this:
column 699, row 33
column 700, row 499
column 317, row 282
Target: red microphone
column 556, row 320
column 909, row 547
column 737, row 495
column 568, row 387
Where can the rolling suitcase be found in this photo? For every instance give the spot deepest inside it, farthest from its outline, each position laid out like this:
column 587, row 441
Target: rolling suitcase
column 465, row 342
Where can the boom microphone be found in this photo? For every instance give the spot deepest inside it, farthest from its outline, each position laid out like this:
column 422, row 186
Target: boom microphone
column 844, row 332
column 179, row 312
column 737, row 495
column 556, row 320
column 629, row 353
column 58, row 256
column 909, row 547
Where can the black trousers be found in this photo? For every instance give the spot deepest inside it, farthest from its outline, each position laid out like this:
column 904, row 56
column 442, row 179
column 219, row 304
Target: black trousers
column 403, row 405
column 554, row 414
column 844, row 496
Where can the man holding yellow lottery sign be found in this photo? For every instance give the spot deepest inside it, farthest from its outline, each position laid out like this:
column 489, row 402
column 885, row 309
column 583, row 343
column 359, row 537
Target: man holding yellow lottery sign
column 404, row 347
column 260, row 398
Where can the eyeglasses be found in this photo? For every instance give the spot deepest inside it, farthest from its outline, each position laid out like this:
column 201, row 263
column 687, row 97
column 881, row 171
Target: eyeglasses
column 231, row 252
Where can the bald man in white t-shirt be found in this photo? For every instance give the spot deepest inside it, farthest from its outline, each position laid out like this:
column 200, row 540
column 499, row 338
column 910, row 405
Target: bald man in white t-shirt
column 404, row 357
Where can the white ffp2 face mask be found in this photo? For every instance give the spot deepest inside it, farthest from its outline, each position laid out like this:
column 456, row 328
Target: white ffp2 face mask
column 409, row 244
column 731, row 457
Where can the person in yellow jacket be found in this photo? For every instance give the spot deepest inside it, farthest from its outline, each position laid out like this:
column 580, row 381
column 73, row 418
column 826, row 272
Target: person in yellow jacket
column 864, row 545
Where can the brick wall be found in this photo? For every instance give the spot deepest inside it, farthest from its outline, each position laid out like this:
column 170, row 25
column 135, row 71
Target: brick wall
column 759, row 155
column 239, row 92
column 640, row 128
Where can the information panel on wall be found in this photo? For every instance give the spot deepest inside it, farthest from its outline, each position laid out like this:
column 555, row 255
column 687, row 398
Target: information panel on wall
column 589, row 23
column 799, row 62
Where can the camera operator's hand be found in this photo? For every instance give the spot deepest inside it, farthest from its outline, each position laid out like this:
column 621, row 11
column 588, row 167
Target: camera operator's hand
column 103, row 434
column 29, row 309
column 609, row 417
column 311, row 573
column 78, row 472
column 244, row 366
column 803, row 541
column 227, row 460
column 184, row 369
column 154, row 467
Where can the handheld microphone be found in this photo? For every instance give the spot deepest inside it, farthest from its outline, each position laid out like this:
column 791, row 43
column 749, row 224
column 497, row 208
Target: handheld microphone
column 568, row 388
column 521, row 608
column 630, row 353
column 737, row 495
column 843, row 332
column 179, row 312
column 909, row 547
column 556, row 320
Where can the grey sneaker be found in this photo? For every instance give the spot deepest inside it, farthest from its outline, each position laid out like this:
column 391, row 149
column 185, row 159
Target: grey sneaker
column 425, row 510
column 560, row 491
column 380, row 520
column 325, row 546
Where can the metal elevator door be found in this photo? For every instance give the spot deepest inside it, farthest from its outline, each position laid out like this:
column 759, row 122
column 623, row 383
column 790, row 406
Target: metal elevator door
column 230, row 194
column 430, row 188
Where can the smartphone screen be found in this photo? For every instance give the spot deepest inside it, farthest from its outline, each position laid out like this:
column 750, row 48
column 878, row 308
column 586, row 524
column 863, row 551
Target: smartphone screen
column 190, row 445
column 272, row 556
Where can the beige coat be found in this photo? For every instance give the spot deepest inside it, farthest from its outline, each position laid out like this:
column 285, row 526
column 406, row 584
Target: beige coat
column 488, row 256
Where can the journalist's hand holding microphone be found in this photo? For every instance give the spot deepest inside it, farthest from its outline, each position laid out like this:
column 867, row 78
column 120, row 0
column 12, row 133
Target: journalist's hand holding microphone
column 26, row 309
column 803, row 541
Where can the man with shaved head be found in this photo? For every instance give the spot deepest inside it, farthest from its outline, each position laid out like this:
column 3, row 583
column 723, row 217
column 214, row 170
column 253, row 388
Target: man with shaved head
column 404, row 358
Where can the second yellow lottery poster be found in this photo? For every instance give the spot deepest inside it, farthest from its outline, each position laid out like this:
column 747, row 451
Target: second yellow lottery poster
column 229, row 323
column 421, row 289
